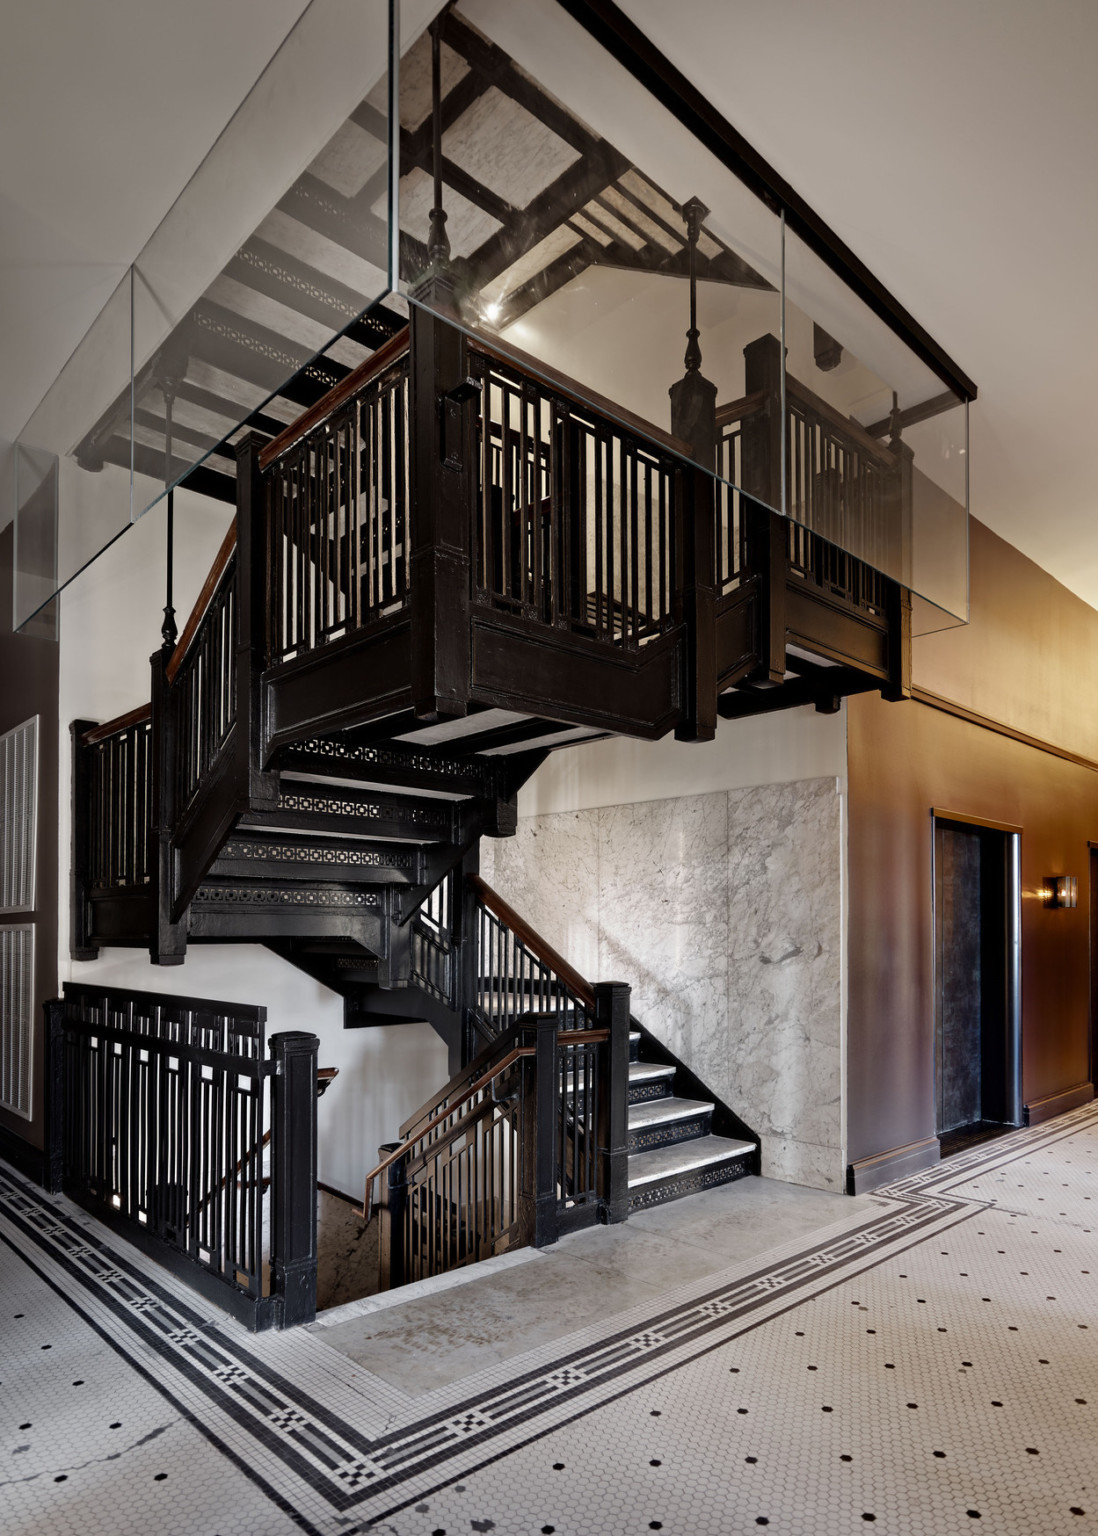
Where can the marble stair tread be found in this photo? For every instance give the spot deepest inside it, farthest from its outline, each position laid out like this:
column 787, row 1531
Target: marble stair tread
column 684, row 1157
column 653, row 1112
column 649, row 1072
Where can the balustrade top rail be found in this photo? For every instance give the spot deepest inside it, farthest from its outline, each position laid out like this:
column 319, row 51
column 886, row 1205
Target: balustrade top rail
column 328, row 404
column 203, row 601
column 139, row 716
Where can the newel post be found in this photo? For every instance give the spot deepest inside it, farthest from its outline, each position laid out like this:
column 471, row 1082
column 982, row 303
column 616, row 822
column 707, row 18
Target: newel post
column 252, row 596
column 392, row 1215
column 612, row 1013
column 81, row 945
column 442, row 470
column 56, row 1119
column 293, row 1176
column 167, row 938
column 539, row 1116
column 767, row 529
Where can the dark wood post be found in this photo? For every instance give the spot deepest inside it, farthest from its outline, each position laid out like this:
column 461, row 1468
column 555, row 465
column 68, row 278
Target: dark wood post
column 392, row 1214
column 56, row 1119
column 612, row 1013
column 293, row 1176
column 465, row 938
column 442, row 470
column 898, row 608
column 767, row 529
column 698, row 604
column 168, row 938
column 253, row 587
column 540, row 1113
column 81, row 946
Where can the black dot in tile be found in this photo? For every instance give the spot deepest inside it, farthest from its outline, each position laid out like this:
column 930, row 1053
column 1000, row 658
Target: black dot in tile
column 1080, row 1399
column 995, row 1403
column 943, row 1330
column 1031, row 1450
column 940, row 1455
column 845, row 1457
column 655, row 1525
column 656, row 1413
column 871, row 1330
column 441, row 1531
column 558, row 1466
column 1075, row 1510
column 63, row 1478
column 79, row 1383
column 889, row 1366
column 117, row 1424
column 812, row 1367
column 160, row 1476
column 968, row 1363
column 825, row 1409
column 733, row 1370
column 751, row 1460
column 47, row 1346
column 913, row 1405
column 547, row 1530
column 741, row 1410
column 27, row 1425
column 655, row 1463
column 868, row 1516
column 973, row 1514
column 1042, row 1362
column 19, row 1314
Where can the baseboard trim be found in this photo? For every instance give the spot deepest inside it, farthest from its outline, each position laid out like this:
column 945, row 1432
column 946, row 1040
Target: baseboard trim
column 23, row 1156
column 886, row 1167
column 1053, row 1104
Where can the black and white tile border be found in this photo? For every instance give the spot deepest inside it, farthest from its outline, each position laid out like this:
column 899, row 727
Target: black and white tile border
column 337, row 1449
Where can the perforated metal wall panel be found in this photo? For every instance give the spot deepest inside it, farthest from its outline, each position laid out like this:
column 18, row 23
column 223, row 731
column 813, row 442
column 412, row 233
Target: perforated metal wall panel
column 18, row 816
column 16, row 1006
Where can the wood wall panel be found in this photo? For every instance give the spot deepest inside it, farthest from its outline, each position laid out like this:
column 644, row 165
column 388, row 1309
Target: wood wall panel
column 904, row 759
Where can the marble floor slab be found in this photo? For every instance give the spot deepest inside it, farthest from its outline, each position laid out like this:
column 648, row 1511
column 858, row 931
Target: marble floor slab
column 923, row 1360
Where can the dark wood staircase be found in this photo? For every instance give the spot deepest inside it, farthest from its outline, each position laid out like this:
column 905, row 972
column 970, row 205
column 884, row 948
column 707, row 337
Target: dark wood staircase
column 672, row 1148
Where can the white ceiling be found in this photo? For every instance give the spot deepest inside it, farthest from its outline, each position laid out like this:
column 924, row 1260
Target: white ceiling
column 951, row 143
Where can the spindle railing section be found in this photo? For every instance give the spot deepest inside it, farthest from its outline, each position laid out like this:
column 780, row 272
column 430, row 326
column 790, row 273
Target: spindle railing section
column 575, row 515
column 118, row 769
column 202, row 683
column 163, row 1109
column 529, row 1140
column 338, row 518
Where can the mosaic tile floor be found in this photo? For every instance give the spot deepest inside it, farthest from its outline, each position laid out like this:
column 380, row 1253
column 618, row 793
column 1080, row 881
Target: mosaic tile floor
column 928, row 1364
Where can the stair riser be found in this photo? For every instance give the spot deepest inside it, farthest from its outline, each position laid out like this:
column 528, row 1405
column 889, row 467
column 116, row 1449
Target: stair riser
column 692, row 1183
column 669, row 1135
column 644, row 1093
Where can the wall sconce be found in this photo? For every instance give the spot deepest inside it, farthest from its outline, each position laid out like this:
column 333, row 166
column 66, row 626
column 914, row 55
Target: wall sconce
column 1060, row 891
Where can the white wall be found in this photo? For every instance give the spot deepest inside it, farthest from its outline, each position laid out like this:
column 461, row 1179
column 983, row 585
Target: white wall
column 110, row 625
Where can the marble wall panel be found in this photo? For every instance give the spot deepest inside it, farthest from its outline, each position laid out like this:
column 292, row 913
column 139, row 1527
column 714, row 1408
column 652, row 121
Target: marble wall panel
column 723, row 912
column 549, row 871
column 663, row 920
column 784, row 987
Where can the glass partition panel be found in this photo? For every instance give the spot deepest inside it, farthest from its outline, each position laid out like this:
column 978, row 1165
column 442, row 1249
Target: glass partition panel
column 72, row 462
column 247, row 304
column 228, row 309
column 572, row 201
column 877, row 444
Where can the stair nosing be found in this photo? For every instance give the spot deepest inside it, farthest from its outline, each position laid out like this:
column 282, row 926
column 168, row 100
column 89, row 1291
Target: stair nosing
column 708, row 1157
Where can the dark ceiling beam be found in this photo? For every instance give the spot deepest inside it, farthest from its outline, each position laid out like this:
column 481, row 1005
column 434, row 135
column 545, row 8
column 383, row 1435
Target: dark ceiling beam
column 822, row 687
column 608, row 24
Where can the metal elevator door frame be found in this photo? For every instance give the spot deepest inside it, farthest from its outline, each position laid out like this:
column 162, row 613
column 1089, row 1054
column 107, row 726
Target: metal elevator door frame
column 1012, row 943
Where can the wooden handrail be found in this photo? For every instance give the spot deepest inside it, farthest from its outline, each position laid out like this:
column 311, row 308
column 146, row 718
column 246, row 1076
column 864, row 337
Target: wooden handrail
column 205, row 597
column 114, row 727
column 746, row 405
column 582, row 396
column 539, row 947
column 374, row 364
column 565, row 1037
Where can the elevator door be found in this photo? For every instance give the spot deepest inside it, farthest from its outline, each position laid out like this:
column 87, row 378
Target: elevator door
column 972, row 1024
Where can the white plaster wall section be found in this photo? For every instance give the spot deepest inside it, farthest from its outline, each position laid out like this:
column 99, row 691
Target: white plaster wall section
column 663, row 921
column 784, row 992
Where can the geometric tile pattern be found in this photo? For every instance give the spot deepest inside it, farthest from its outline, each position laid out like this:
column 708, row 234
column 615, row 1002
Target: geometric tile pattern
column 922, row 1368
